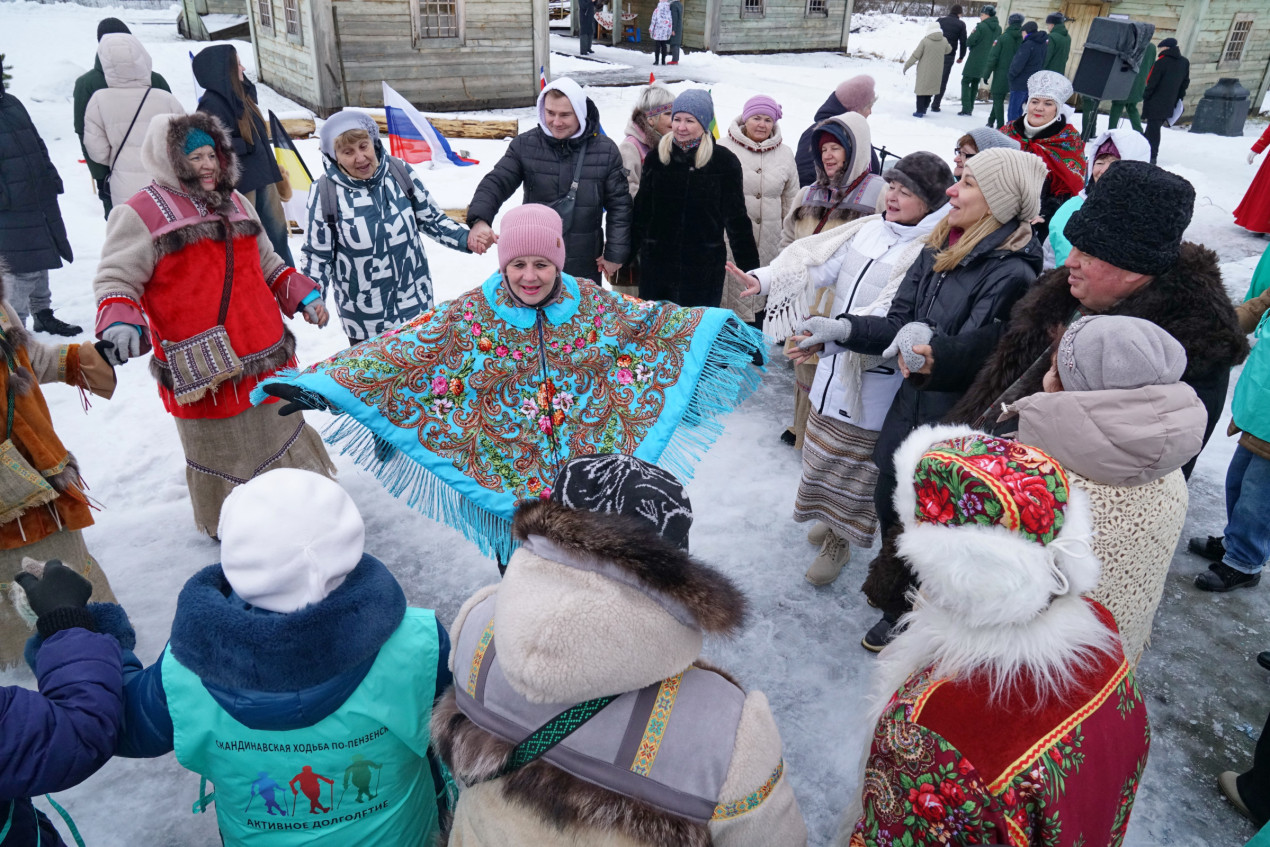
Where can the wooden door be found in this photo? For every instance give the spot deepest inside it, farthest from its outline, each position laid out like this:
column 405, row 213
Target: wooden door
column 1080, row 14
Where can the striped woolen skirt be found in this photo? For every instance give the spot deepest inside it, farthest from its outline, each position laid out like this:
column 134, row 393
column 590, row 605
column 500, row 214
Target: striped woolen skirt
column 838, row 478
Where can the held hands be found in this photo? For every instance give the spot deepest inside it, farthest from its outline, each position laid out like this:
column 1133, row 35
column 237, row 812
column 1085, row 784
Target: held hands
column 607, row 268
column 315, row 313
column 912, row 345
column 298, row 400
column 57, row 588
column 821, row 330
column 480, row 238
column 752, row 286
column 120, row 342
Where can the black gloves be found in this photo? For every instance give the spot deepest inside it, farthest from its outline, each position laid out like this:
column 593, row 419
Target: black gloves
column 298, row 399
column 58, row 598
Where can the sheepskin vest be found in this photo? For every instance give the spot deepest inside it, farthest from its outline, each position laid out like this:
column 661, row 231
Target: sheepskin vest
column 358, row 776
column 183, row 297
column 668, row 745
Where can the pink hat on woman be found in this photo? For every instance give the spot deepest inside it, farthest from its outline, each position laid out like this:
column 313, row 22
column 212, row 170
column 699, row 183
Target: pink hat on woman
column 761, row 104
column 531, row 230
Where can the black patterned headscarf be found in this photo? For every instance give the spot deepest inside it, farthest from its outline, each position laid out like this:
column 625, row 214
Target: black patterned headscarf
column 618, row 484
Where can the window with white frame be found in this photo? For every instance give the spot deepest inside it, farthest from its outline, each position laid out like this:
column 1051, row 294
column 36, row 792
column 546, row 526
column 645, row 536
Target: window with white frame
column 1236, row 41
column 291, row 12
column 752, row 8
column 817, row 8
column 264, row 11
column 437, row 19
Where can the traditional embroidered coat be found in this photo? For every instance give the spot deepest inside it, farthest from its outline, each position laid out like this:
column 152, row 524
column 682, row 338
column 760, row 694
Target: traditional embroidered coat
column 949, row 764
column 165, row 262
column 486, row 399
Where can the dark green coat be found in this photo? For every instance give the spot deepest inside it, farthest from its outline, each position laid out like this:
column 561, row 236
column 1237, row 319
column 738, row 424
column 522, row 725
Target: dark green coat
column 1144, row 71
column 1060, row 47
column 1002, row 55
column 980, row 44
column 85, row 87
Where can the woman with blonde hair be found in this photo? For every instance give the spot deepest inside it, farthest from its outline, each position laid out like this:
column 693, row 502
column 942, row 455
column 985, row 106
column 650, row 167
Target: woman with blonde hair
column 690, row 193
column 978, row 261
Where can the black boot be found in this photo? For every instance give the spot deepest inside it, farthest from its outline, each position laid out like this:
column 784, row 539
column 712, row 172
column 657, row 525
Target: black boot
column 1209, row 547
column 45, row 321
column 882, row 633
column 1222, row 578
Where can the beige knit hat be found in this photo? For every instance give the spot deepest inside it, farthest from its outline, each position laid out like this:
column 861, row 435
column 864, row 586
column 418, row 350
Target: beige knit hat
column 1011, row 182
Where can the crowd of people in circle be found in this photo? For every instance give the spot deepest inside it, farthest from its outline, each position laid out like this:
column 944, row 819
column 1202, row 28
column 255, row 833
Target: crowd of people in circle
column 1006, row 359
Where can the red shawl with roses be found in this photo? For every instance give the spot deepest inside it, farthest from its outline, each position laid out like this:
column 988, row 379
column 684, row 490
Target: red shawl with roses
column 1063, row 153
column 949, row 764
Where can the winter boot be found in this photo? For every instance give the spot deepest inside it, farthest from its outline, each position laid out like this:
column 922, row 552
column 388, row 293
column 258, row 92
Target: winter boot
column 816, row 535
column 789, row 437
column 1263, row 659
column 882, row 634
column 834, row 553
column 1221, row 578
column 45, row 321
column 1226, row 782
column 1209, row 547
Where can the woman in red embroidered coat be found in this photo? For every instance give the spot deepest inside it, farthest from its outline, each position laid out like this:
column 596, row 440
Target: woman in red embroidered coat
column 1253, row 212
column 1013, row 717
column 1043, row 130
column 178, row 254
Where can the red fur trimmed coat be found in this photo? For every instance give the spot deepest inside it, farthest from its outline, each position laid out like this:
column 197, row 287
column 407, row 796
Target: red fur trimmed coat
column 164, row 263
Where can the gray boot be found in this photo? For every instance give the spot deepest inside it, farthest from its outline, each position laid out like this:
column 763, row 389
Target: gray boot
column 816, row 535
column 834, row 553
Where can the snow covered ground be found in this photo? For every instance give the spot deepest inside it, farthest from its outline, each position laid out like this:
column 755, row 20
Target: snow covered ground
column 1207, row 697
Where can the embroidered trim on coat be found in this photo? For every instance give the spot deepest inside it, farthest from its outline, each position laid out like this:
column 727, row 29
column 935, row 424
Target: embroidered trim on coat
column 259, row 470
column 655, row 730
column 478, row 657
column 751, row 801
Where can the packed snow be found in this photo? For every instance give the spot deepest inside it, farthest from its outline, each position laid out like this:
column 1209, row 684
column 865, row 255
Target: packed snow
column 1206, row 696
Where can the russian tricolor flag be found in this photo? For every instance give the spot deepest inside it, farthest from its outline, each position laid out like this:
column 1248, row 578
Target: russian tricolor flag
column 413, row 138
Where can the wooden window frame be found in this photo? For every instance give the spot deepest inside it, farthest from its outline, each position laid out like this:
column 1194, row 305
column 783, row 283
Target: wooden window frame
column 421, row 40
column 264, row 16
column 1237, row 38
column 816, row 9
column 751, row 9
column 291, row 13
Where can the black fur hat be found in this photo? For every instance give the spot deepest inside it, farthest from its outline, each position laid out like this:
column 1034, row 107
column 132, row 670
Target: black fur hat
column 1136, row 218
column 924, row 174
column 618, row 484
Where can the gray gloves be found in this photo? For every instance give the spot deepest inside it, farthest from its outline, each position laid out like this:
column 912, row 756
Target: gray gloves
column 124, row 343
column 311, row 309
column 902, row 345
column 824, row 330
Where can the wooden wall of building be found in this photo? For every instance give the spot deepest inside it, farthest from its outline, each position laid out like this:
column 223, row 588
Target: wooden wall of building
column 785, row 25
column 282, row 64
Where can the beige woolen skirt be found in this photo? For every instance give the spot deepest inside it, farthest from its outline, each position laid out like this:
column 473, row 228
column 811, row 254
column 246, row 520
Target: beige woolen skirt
column 68, row 547
column 223, row 453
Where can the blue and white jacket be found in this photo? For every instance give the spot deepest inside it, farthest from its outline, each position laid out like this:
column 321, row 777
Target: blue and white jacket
column 379, row 271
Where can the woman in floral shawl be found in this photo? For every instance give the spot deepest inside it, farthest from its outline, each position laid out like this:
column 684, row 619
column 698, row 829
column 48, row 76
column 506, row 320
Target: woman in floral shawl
column 486, row 397
column 1043, row 130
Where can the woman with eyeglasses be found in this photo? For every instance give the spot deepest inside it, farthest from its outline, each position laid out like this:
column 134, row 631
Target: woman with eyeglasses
column 976, row 141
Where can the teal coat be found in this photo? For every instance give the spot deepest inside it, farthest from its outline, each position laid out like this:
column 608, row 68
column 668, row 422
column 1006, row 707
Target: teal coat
column 1002, row 55
column 980, row 43
column 1250, row 408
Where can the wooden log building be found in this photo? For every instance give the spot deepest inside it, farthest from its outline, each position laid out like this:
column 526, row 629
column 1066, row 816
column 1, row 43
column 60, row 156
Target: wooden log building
column 756, row 26
column 441, row 55
column 1222, row 38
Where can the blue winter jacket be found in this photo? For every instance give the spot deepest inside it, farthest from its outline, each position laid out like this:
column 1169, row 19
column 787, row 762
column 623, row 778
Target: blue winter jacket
column 269, row 671
column 59, row 736
column 1029, row 59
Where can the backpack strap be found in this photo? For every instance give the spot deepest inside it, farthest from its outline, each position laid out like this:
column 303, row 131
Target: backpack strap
column 402, row 175
column 329, row 195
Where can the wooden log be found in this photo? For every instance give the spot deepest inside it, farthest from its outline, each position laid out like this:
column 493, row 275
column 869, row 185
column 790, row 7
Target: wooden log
column 457, row 215
column 461, row 127
column 299, row 127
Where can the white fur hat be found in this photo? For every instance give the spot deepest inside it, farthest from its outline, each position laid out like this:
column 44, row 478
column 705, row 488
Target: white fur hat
column 289, row 538
column 992, row 529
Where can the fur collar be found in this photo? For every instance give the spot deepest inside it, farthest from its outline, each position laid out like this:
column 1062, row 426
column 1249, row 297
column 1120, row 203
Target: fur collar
column 163, row 156
column 652, row 564
column 736, row 134
column 235, row 647
column 1189, row 302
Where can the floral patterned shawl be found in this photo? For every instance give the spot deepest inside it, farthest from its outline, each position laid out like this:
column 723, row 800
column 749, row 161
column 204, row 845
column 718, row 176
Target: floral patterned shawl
column 1063, row 153
column 484, row 399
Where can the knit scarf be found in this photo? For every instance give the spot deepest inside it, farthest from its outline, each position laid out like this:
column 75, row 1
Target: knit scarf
column 1063, row 153
column 691, row 144
column 484, row 400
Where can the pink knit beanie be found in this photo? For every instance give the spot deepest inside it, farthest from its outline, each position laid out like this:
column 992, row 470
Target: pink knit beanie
column 761, row 104
column 856, row 93
column 531, row 230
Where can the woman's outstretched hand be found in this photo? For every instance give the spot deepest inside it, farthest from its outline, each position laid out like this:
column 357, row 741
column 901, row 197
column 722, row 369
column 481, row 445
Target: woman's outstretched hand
column 752, row 286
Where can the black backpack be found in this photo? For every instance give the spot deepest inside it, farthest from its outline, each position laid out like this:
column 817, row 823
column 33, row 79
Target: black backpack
column 328, row 192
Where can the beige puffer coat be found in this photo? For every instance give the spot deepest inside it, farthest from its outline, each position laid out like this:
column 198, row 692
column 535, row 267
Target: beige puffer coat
column 771, row 186
column 929, row 58
column 126, row 65
column 1124, row 449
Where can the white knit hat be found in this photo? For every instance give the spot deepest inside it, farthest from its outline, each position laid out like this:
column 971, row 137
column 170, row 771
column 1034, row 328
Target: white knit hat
column 342, row 122
column 1049, row 84
column 1011, row 182
column 288, row 539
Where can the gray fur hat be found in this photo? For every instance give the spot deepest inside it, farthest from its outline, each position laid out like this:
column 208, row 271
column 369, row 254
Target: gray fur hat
column 340, row 123
column 924, row 174
column 986, row 137
column 1100, row 352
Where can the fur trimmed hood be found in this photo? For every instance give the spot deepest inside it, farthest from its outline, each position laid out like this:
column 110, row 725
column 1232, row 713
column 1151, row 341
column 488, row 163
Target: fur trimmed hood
column 163, row 157
column 596, row 604
column 1189, row 302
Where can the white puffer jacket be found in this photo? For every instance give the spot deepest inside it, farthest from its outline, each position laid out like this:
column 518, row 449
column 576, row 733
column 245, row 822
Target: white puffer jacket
column 771, row 185
column 126, row 65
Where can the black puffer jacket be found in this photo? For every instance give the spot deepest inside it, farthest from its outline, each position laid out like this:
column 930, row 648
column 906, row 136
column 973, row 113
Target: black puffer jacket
column 681, row 214
column 32, row 235
column 977, row 293
column 212, row 69
column 544, row 166
column 1169, row 79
